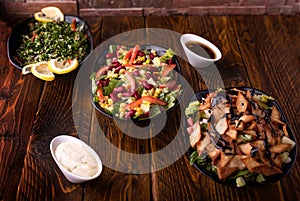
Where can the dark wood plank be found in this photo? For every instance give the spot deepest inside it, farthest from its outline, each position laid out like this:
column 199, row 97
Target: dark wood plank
column 95, row 24
column 17, row 112
column 54, row 117
column 269, row 47
column 116, row 182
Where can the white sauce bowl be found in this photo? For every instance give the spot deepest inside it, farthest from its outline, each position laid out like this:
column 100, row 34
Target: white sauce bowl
column 69, row 175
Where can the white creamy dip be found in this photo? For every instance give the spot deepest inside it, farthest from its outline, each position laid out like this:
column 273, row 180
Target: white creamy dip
column 76, row 159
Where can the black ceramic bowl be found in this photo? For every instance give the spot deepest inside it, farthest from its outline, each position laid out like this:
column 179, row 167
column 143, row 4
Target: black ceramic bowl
column 14, row 40
column 271, row 179
column 160, row 51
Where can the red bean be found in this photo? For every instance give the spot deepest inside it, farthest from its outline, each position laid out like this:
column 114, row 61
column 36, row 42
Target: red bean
column 114, row 97
column 151, row 56
column 153, row 69
column 136, row 95
column 127, row 94
column 141, row 53
column 136, row 72
column 148, row 75
column 147, row 85
column 145, row 115
column 170, row 61
column 119, row 89
column 117, row 69
column 115, row 61
column 103, row 82
column 130, row 113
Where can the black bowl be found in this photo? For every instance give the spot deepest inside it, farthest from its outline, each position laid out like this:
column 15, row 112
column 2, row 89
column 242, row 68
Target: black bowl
column 143, row 121
column 271, row 179
column 14, row 40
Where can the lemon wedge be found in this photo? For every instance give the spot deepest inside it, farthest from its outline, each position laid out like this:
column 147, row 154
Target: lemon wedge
column 41, row 70
column 27, row 69
column 62, row 67
column 39, row 16
column 54, row 13
column 49, row 14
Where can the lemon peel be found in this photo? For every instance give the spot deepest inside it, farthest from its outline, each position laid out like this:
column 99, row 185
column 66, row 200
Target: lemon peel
column 62, row 67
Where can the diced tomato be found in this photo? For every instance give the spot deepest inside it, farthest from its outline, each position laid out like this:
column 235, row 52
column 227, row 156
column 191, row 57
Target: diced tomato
column 100, row 94
column 73, row 24
column 151, row 99
column 134, row 53
column 69, row 61
column 167, row 69
column 33, row 37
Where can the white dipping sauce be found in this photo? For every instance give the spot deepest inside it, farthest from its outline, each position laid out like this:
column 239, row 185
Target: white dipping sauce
column 76, row 159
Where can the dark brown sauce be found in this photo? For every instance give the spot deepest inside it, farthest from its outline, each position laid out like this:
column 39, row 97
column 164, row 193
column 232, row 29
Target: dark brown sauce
column 201, row 49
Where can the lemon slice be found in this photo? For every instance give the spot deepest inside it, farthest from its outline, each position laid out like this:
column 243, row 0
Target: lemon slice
column 41, row 70
column 53, row 13
column 27, row 69
column 62, row 67
column 39, row 16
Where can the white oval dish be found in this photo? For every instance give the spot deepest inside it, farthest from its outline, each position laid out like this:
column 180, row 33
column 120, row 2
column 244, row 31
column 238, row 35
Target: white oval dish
column 69, row 175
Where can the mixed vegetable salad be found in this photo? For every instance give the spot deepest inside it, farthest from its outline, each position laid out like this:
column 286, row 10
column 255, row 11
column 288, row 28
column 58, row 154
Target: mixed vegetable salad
column 238, row 135
column 52, row 40
column 136, row 83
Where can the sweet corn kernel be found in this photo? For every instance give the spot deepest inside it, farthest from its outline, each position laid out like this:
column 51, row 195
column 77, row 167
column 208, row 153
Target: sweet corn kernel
column 110, row 101
column 141, row 58
column 151, row 92
column 155, row 95
column 157, row 90
column 138, row 113
column 138, row 109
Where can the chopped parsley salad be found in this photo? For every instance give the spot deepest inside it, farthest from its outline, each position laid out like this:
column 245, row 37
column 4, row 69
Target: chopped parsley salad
column 52, row 40
column 239, row 136
column 136, row 83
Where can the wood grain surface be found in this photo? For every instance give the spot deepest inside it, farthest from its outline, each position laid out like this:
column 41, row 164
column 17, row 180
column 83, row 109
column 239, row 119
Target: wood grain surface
column 258, row 51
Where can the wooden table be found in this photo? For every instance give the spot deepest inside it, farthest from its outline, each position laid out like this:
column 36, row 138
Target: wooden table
column 258, row 51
